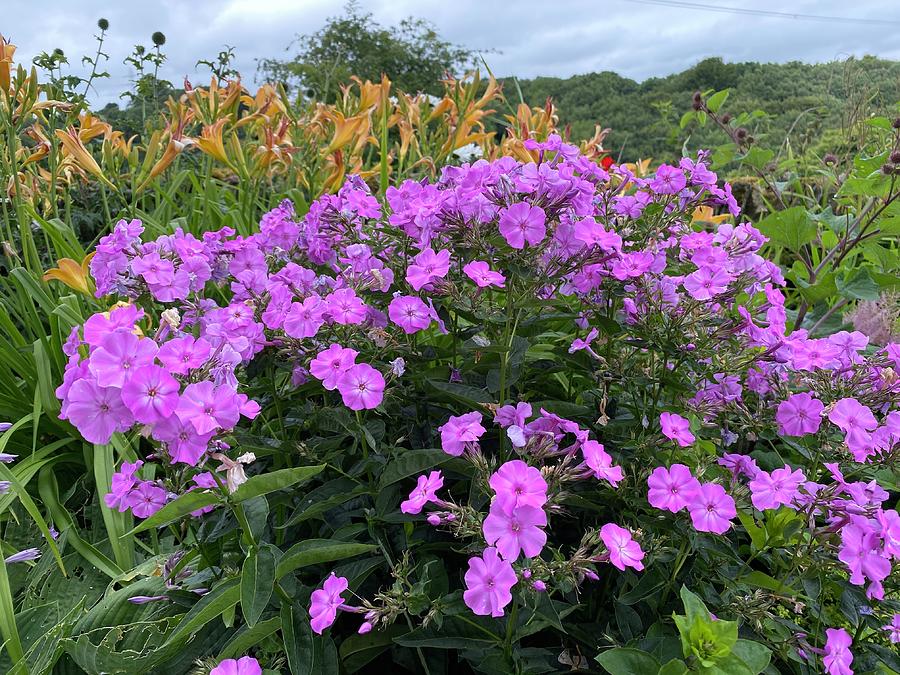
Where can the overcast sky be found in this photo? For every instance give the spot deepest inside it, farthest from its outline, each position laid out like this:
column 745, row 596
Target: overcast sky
column 530, row 37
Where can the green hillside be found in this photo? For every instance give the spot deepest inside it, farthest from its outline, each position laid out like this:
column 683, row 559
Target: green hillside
column 644, row 116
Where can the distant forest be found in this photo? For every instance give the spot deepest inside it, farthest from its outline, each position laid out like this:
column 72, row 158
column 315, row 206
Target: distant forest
column 805, row 104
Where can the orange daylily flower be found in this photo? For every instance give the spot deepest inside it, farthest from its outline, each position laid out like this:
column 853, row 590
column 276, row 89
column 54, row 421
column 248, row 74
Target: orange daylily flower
column 75, row 148
column 704, row 214
column 211, row 141
column 74, row 275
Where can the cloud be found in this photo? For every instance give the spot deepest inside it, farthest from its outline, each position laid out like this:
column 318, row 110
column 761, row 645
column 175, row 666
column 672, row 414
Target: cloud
column 526, row 39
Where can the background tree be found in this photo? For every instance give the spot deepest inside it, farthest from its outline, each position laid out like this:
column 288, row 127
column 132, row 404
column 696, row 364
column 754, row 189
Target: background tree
column 412, row 54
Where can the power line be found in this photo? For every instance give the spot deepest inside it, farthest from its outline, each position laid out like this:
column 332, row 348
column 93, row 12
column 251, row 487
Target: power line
column 683, row 4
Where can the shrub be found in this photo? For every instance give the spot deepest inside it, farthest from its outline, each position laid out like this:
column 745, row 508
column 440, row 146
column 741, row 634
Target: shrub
column 591, row 396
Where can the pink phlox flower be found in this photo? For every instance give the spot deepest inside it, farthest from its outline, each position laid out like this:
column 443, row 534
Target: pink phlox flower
column 707, row 282
column 671, row 489
column 428, row 267
column 489, row 581
column 121, row 484
column 460, row 430
column 515, row 530
column 325, row 602
column 361, row 386
column 513, row 415
column 669, row 180
column 482, row 274
column 120, row 354
column 145, row 499
column 151, row 394
column 516, row 484
column 345, row 307
column 304, row 319
column 330, row 364
column 799, row 414
column 208, row 407
column 424, row 492
column 624, row 551
column 838, row 657
column 862, row 552
column 521, row 223
column 183, row 354
column 712, row 509
column 98, row 412
column 771, row 490
column 246, row 665
column 410, row 313
column 676, row 428
column 578, row 344
column 739, row 465
column 600, row 463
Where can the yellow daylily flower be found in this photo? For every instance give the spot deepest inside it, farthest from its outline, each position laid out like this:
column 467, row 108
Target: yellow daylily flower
column 704, row 214
column 74, row 147
column 74, row 275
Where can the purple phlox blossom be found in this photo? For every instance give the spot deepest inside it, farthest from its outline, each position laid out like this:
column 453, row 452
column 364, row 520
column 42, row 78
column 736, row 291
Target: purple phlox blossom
column 838, row 658
column 771, row 490
column 326, row 601
column 893, row 629
column 482, row 274
column 739, row 465
column 600, row 463
column 119, row 355
column 671, row 489
column 669, row 180
column 181, row 355
column 516, row 484
column 424, row 492
column 460, row 430
column 246, row 665
column 209, row 407
column 145, row 499
column 428, row 266
column 799, row 415
column 330, row 364
column 361, row 387
column 578, row 344
column 410, row 313
column 513, row 415
column 624, row 551
column 98, row 412
column 521, row 223
column 304, row 319
column 862, row 552
column 489, row 581
column 707, row 282
column 345, row 307
column 515, row 530
column 711, row 509
column 151, row 394
column 676, row 428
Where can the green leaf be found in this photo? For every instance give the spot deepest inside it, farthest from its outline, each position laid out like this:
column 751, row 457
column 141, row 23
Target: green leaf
column 858, row 285
column 215, row 603
column 274, row 480
column 791, row 228
column 406, row 463
column 673, row 667
column 694, row 607
column 177, row 509
column 755, row 655
column 257, row 583
column 717, row 100
column 358, row 650
column 316, row 551
column 758, row 157
column 627, row 661
column 248, row 637
column 299, row 641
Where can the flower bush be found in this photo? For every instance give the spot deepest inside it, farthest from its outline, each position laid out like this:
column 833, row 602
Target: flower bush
column 531, row 404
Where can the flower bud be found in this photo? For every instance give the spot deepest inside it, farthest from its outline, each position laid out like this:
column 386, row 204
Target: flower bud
column 103, row 24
